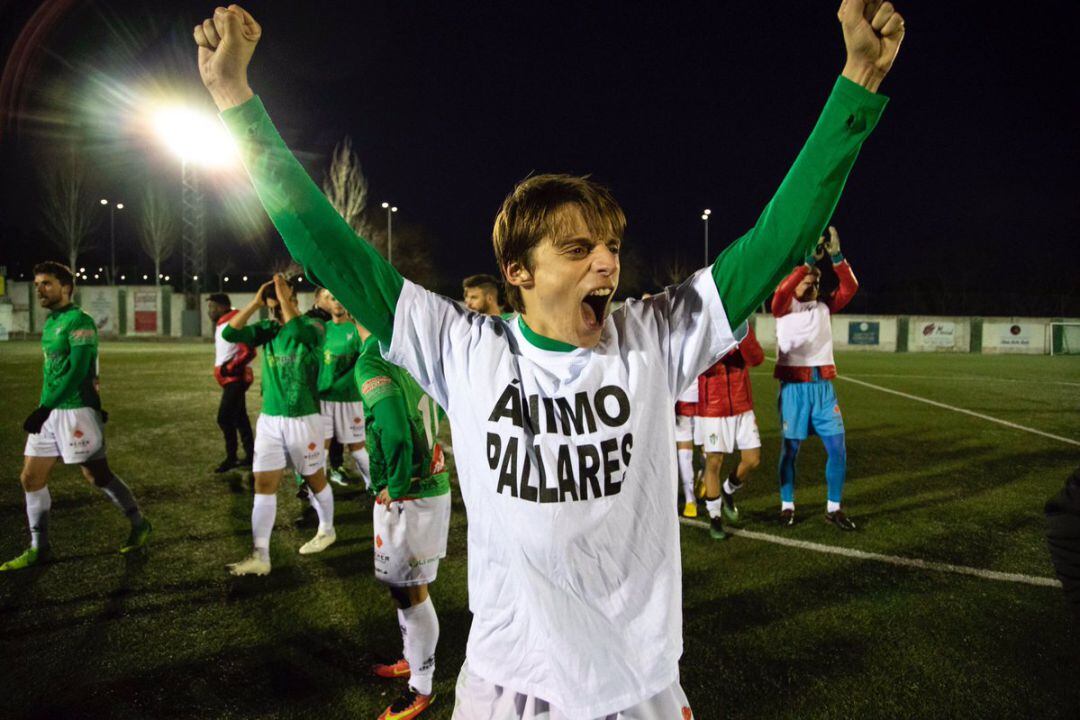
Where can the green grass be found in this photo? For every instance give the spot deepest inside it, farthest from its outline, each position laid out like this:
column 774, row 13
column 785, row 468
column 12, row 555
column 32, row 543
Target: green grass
column 770, row 631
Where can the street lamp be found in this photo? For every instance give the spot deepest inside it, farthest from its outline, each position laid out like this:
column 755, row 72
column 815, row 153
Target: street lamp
column 112, row 236
column 705, row 216
column 390, row 210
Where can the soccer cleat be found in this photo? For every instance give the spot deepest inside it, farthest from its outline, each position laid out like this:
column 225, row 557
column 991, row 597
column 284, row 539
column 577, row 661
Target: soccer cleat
column 29, row 558
column 138, row 537
column 840, row 520
column 787, row 518
column 317, row 544
column 728, row 508
column 716, row 528
column 400, row 669
column 689, row 509
column 251, row 565
column 226, row 465
column 407, row 706
column 336, row 476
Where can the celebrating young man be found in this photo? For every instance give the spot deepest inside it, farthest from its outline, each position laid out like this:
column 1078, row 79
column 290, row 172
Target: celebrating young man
column 289, row 431
column 232, row 370
column 343, row 417
column 411, row 516
column 805, row 369
column 562, row 417
column 68, row 422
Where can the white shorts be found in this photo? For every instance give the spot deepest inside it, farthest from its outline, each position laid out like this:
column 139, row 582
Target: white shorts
column 684, row 428
column 345, row 420
column 295, row 442
column 724, row 434
column 410, row 539
column 478, row 698
column 76, row 435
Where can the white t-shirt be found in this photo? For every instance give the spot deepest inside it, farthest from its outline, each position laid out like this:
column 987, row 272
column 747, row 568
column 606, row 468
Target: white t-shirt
column 804, row 335
column 224, row 351
column 575, row 577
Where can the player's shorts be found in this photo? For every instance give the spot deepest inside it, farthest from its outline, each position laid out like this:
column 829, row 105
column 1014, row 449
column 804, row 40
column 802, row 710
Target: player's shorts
column 343, row 420
column 295, row 442
column 684, row 428
column 410, row 539
column 76, row 435
column 809, row 407
column 724, row 434
column 475, row 697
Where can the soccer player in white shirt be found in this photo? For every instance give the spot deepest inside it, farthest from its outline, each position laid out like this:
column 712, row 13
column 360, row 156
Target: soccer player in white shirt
column 562, row 416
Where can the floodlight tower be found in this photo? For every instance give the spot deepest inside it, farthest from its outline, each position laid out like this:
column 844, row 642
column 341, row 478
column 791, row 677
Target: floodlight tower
column 705, row 216
column 390, row 210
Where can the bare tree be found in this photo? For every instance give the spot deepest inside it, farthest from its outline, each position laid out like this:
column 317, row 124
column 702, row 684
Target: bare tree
column 68, row 217
column 159, row 229
column 347, row 188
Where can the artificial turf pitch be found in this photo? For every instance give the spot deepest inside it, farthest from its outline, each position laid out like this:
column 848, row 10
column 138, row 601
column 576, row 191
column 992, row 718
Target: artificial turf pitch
column 770, row 631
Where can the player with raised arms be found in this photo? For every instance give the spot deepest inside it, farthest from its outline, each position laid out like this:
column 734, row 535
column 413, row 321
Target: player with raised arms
column 289, row 431
column 562, row 416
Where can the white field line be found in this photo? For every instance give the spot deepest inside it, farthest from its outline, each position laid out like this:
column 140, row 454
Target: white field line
column 968, row 378
column 944, row 406
column 890, row 559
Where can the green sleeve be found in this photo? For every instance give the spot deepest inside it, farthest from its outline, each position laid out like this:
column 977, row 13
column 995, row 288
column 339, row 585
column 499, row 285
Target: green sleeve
column 395, row 441
column 316, row 235
column 255, row 335
column 80, row 358
column 748, row 270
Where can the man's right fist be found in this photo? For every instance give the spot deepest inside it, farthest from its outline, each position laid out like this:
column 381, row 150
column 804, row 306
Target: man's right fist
column 226, row 43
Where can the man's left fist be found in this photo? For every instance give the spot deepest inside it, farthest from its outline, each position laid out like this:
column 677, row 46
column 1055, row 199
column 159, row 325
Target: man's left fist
column 872, row 33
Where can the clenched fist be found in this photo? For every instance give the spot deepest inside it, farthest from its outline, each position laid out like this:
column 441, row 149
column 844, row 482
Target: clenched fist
column 226, row 43
column 872, row 34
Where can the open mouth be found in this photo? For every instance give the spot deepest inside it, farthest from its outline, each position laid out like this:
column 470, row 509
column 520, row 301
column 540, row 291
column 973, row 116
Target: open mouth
column 594, row 306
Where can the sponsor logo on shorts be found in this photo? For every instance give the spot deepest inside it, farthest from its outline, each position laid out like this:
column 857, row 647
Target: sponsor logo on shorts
column 836, row 409
column 356, row 421
column 713, row 438
column 78, row 433
column 378, row 541
column 687, row 714
column 311, row 447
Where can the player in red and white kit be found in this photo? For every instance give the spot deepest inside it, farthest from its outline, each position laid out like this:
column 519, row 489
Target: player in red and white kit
column 725, row 421
column 805, row 370
column 232, row 370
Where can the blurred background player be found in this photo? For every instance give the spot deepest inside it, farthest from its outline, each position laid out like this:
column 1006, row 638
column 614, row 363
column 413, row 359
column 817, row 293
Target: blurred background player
column 68, row 422
column 685, row 410
column 805, row 370
column 411, row 516
column 290, row 429
column 339, row 396
column 232, row 370
column 725, row 421
column 482, row 294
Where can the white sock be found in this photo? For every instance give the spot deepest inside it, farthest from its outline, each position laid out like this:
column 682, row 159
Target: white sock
column 832, row 506
column 686, row 473
column 363, row 465
column 420, row 633
column 263, row 512
column 121, row 497
column 785, row 505
column 731, row 489
column 714, row 506
column 38, row 503
column 323, row 502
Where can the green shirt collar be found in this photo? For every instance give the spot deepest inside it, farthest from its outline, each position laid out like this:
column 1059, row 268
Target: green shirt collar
column 62, row 310
column 544, row 343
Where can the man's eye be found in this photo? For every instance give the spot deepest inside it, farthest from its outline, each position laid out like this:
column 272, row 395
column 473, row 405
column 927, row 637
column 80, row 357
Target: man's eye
column 577, row 251
column 614, row 249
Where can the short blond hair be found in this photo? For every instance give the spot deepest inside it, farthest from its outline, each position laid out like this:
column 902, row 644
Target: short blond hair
column 530, row 213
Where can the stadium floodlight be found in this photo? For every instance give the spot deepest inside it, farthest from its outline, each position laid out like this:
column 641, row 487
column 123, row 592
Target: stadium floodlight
column 705, row 216
column 244, row 278
column 390, row 210
column 113, row 207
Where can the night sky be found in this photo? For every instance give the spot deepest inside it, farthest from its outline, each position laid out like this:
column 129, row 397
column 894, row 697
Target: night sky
column 965, row 199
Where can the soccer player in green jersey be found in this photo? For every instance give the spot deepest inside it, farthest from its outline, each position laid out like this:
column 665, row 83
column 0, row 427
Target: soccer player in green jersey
column 562, row 415
column 68, row 422
column 289, row 431
column 343, row 417
column 411, row 516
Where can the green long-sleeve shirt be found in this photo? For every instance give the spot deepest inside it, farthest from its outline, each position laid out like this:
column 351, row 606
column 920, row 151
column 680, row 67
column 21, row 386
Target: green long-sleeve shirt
column 69, row 341
column 402, row 424
column 340, row 351
column 745, row 273
column 290, row 363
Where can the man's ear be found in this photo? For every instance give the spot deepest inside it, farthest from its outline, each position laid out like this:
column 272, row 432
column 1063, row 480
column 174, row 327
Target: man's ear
column 518, row 275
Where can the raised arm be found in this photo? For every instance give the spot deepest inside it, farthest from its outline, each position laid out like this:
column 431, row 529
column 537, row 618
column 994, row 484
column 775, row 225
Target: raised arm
column 748, row 270
column 848, row 284
column 317, row 237
column 237, row 331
